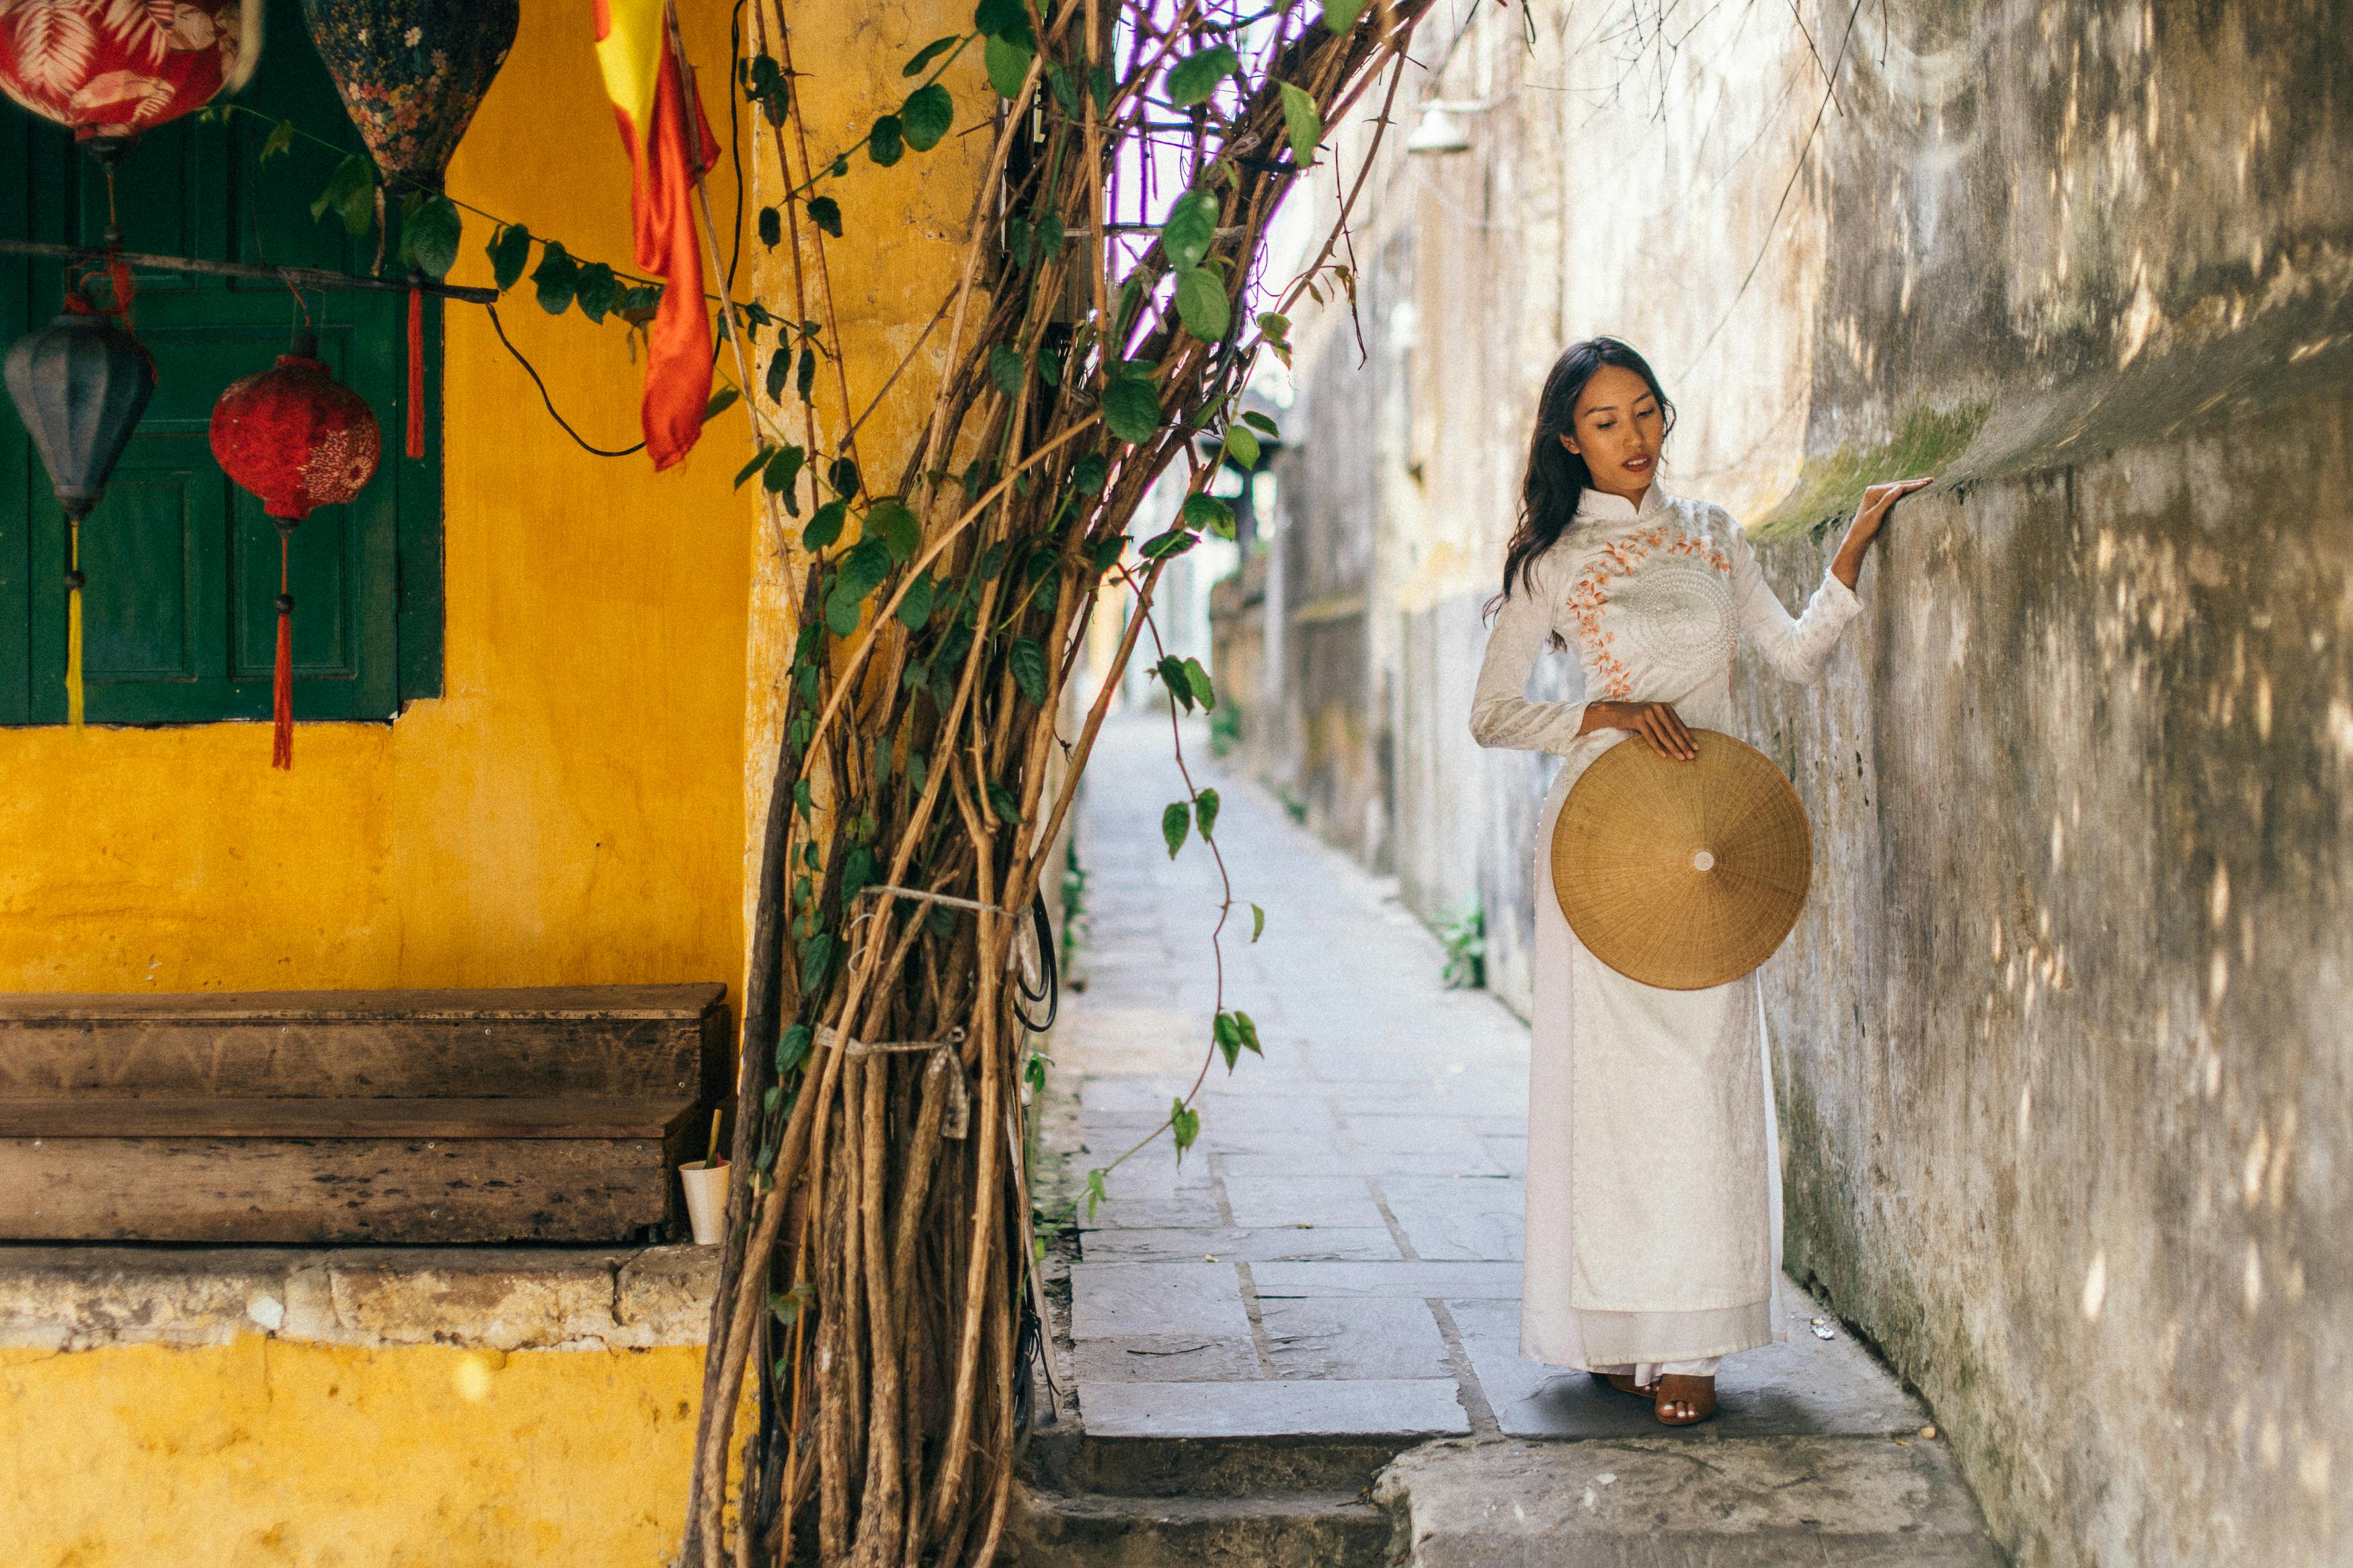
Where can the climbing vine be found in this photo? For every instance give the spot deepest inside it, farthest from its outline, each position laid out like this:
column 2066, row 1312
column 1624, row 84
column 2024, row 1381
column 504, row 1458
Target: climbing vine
column 877, row 1293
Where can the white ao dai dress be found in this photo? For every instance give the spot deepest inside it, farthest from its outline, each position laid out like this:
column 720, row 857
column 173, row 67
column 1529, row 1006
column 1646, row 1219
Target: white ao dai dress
column 1653, row 1238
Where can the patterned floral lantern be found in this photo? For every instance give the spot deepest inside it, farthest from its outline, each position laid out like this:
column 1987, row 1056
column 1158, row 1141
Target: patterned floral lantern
column 411, row 73
column 299, row 439
column 111, row 69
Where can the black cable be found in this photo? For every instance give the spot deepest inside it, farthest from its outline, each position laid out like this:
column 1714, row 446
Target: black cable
column 1049, row 984
column 735, row 146
column 500, row 328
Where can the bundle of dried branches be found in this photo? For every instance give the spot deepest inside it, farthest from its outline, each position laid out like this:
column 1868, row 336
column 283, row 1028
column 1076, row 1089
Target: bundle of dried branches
column 876, row 1265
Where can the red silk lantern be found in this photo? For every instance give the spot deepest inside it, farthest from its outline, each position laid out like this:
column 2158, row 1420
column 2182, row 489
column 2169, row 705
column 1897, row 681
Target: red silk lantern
column 108, row 69
column 298, row 439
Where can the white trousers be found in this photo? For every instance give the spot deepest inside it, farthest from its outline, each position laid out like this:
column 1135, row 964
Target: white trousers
column 1647, row 1372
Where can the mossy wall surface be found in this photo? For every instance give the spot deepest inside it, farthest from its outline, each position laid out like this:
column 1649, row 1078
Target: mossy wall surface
column 2065, row 1040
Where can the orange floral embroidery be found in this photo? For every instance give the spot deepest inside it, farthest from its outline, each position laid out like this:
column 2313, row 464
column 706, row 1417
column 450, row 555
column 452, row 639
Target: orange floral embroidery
column 1618, row 558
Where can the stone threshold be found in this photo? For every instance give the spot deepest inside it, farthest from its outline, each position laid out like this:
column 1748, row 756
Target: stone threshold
column 69, row 1298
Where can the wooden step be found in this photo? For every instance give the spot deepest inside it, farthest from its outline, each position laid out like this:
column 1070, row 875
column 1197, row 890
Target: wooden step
column 341, row 1171
column 141, row 1116
column 349, row 1117
column 551, row 1040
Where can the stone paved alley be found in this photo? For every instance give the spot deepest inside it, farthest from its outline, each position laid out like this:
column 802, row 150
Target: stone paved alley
column 1338, row 1257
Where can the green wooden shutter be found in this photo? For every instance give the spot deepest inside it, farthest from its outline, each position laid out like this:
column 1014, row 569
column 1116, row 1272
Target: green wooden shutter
column 179, row 610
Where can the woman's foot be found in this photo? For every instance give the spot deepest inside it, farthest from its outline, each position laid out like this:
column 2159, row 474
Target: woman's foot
column 1682, row 1401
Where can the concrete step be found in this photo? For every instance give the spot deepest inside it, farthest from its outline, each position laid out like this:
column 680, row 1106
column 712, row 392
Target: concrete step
column 1293, row 1529
column 1746, row 1503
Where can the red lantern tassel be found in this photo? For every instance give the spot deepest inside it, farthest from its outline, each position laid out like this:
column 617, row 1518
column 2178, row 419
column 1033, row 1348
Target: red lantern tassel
column 281, row 703
column 281, row 744
column 415, row 371
column 118, row 272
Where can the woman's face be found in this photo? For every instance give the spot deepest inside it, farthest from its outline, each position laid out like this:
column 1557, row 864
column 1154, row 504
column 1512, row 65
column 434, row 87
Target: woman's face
column 1619, row 429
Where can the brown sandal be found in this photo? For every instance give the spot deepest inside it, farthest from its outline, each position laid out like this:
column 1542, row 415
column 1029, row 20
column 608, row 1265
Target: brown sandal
column 1623, row 1381
column 1682, row 1401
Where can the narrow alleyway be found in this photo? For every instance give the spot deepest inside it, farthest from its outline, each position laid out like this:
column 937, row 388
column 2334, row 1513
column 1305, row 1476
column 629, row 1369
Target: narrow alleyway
column 1336, row 1258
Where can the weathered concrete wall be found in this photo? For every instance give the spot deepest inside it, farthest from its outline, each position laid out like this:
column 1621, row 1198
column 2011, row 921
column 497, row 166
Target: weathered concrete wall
column 2065, row 1040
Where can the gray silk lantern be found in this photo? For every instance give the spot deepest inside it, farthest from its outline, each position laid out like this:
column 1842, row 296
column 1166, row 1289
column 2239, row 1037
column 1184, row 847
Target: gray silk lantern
column 80, row 385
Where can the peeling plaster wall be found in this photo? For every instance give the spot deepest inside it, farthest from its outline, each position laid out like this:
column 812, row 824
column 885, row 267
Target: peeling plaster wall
column 392, row 1407
column 2064, row 1040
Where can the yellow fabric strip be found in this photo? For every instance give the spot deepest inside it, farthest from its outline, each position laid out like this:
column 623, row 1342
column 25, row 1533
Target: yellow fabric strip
column 73, row 638
column 630, row 51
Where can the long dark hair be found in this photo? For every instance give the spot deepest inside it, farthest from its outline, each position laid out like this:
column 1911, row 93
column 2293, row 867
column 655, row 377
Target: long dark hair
column 1556, row 476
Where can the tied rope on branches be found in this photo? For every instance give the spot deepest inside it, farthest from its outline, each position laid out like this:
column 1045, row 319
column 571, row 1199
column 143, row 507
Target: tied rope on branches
column 879, row 1296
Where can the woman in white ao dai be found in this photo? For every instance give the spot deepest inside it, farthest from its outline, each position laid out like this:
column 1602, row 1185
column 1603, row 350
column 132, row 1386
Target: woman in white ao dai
column 1654, row 1228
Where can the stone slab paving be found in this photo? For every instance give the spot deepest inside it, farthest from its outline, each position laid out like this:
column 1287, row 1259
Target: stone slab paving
column 1662, row 1502
column 1339, row 1253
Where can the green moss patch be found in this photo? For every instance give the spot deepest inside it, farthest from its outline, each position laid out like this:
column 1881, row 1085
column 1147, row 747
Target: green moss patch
column 1829, row 488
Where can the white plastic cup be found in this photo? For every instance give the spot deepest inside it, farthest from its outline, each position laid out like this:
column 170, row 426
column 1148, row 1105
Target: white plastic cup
column 706, row 1199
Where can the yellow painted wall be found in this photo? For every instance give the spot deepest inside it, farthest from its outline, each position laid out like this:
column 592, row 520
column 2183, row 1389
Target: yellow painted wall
column 899, row 257
column 266, row 1451
column 570, row 809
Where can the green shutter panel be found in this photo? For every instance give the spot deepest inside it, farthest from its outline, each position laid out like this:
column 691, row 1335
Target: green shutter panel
column 179, row 619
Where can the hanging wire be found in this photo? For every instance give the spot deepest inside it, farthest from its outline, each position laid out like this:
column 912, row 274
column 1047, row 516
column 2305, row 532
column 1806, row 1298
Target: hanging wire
column 1049, row 988
column 498, row 327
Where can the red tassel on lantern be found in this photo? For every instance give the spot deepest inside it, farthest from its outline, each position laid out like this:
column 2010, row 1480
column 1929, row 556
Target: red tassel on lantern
column 281, row 680
column 298, row 439
column 415, row 371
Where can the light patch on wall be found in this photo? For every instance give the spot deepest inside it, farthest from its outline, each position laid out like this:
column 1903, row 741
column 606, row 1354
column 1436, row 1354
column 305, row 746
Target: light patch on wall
column 2252, row 1283
column 2311, row 1468
column 2141, row 318
column 2218, row 977
column 2251, row 1180
column 2095, row 1286
column 471, row 1376
column 2275, row 1178
column 2218, row 897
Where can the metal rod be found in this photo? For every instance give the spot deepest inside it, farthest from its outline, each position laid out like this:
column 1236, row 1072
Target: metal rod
column 292, row 277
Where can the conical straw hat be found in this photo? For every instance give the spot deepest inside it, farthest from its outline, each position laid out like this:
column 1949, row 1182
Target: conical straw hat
column 1681, row 874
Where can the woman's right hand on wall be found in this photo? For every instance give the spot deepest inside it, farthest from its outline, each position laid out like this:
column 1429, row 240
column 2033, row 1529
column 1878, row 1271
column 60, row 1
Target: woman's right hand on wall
column 1656, row 723
column 1869, row 515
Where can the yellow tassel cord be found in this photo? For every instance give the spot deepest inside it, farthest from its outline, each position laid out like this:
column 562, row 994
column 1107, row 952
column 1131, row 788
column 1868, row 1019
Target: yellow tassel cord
column 73, row 631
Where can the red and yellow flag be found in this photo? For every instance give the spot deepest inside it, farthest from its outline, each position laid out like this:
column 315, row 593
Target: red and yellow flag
column 647, row 87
